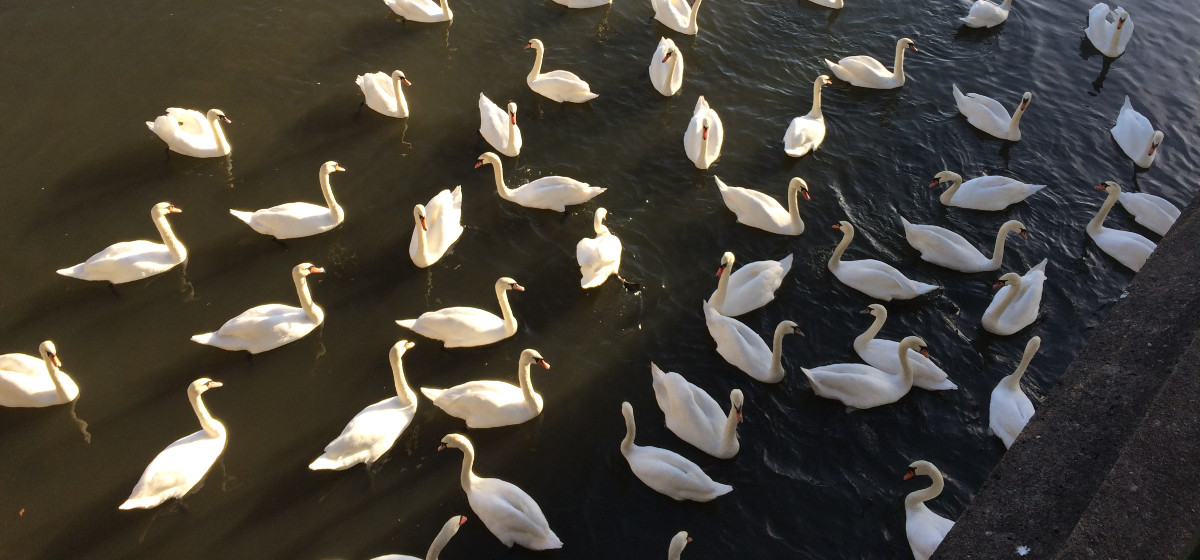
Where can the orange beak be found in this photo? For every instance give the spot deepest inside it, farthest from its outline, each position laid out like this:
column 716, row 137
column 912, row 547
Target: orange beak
column 909, row 474
column 339, row 168
column 424, row 226
column 316, row 270
column 805, row 193
column 1023, row 235
column 174, row 210
column 705, row 133
column 478, row 163
column 405, row 81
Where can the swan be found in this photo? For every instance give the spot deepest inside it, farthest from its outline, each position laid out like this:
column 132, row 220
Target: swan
column 1136, row 136
column 468, row 326
column 990, row 116
column 864, row 71
column 552, row 192
column 1109, row 30
column 423, row 11
column 835, row 4
column 449, row 529
column 438, row 225
column 760, row 210
column 863, row 386
column 751, row 287
column 1010, row 408
column 869, row 276
column 26, row 381
column 1152, row 212
column 704, row 136
column 599, row 257
column 665, row 471
column 383, row 93
column 178, row 468
column 559, row 85
column 989, row 192
column 882, row 354
column 133, row 260
column 499, row 126
column 806, row 133
column 987, row 14
column 507, row 511
column 666, row 68
column 583, row 3
column 696, row 417
column 373, row 430
column 1015, row 305
column 192, row 133
column 269, row 326
column 677, row 14
column 925, row 529
column 945, row 248
column 678, row 542
column 298, row 219
column 491, row 404
column 1129, row 248
column 744, row 349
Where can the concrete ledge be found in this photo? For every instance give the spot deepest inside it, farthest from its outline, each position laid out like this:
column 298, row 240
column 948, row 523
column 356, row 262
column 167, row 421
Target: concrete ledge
column 1109, row 467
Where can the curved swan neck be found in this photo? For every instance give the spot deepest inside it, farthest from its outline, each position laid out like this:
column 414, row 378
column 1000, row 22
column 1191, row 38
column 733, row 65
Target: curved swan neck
column 836, row 258
column 214, row 122
column 815, row 112
column 449, row 529
column 630, row 432
column 693, row 27
column 211, row 426
column 1013, row 380
column 998, row 251
column 314, row 311
column 1014, row 286
column 398, row 91
column 422, row 237
column 526, row 380
column 729, row 438
column 1115, row 42
column 794, row 205
column 949, row 194
column 775, row 374
column 446, row 13
column 1097, row 222
column 178, row 251
column 326, row 189
column 1014, row 125
column 718, row 298
column 537, row 64
column 53, row 371
column 917, row 498
column 510, row 321
column 404, row 393
column 865, row 338
column 906, row 375
column 466, row 476
column 898, row 64
column 498, row 174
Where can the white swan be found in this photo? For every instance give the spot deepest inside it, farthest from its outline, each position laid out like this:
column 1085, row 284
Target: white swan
column 883, row 354
column 1015, row 306
column 864, row 71
column 872, row 277
column 695, row 416
column 298, row 219
column 449, row 529
column 373, row 430
column 1129, row 248
column 1109, row 30
column 1153, row 212
column 677, row 14
column 924, row 528
column 666, row 68
column 751, row 287
column 384, row 94
column 192, row 133
column 835, row 4
column 989, row 192
column 491, row 404
column 438, row 225
column 598, row 257
column 990, row 116
column 499, row 126
column 806, row 133
column 943, row 247
column 553, row 192
column 704, row 136
column 179, row 467
column 987, row 14
column 558, row 85
column 1136, row 136
column 1010, row 409
column 863, row 386
column 133, row 260
column 744, row 349
column 667, row 472
column 507, row 511
column 269, row 326
column 581, row 4
column 26, row 381
column 423, row 11
column 468, row 326
column 678, row 542
column 760, row 210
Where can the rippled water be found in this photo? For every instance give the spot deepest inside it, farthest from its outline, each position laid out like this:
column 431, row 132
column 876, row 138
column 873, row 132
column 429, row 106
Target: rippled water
column 811, row 481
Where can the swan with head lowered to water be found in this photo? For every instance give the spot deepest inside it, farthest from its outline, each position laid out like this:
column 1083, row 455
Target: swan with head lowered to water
column 269, row 326
column 298, row 219
column 553, row 192
column 468, row 326
column 133, row 260
column 985, row 13
column 192, row 133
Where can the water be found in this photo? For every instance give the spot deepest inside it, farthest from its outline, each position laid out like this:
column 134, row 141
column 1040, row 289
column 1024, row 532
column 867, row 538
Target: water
column 811, row 481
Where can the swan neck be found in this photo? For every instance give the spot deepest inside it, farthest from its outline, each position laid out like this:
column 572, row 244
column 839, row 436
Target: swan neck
column 693, row 27
column 1014, row 125
column 311, row 308
column 422, row 240
column 512, row 132
column 1013, row 381
column 865, row 338
column 335, row 210
column 729, row 438
column 836, row 258
column 498, row 174
column 906, row 375
column 920, row 496
column 718, row 298
column 447, row 532
column 214, row 123
column 1013, row 287
column 672, row 64
column 537, row 65
column 526, row 381
column 703, row 152
column 211, row 426
column 178, row 251
column 949, row 194
column 399, row 93
column 898, row 65
column 53, row 371
column 794, row 205
column 1097, row 222
column 1006, row 6
column 1115, row 42
column 510, row 321
column 815, row 112
column 630, row 432
column 775, row 374
column 466, row 476
column 998, row 251
column 404, row 393
column 446, row 13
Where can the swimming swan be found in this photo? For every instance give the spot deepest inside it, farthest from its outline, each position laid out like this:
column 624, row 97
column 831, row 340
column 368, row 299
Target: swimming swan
column 133, row 260
column 760, row 210
column 423, row 11
column 1129, row 248
column 599, row 257
column 552, row 192
column 491, row 404
column 695, row 416
column 1109, row 30
column 183, row 464
column 990, row 116
column 677, row 14
column 438, row 225
column 704, row 135
column 806, row 133
column 678, row 542
column 269, row 326
column 298, row 219
column 558, row 85
column 1010, row 409
column 989, row 192
column 26, row 381
column 883, row 354
column 499, row 126
column 987, row 14
column 192, row 133
column 1015, row 306
column 449, row 529
column 924, row 528
column 863, row 386
column 864, row 71
column 745, row 350
column 945, row 248
column 372, row 431
column 468, row 326
column 751, row 287
column 384, row 94
column 506, row 510
column 666, row 68
column 872, row 277
column 1136, row 136
column 667, row 472
column 1153, row 212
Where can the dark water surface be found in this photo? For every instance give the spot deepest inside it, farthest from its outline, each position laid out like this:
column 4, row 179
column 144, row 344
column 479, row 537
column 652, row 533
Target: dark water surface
column 811, row 481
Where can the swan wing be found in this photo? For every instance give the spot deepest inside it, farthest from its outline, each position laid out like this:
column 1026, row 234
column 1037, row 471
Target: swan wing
column 985, row 14
column 367, row 436
column 190, row 121
column 665, row 79
column 864, row 67
column 982, row 111
column 1132, row 131
column 671, row 474
column 260, row 328
column 176, row 470
column 379, row 92
column 1126, row 30
column 755, row 208
column 124, row 262
column 992, row 192
column 879, row 280
column 856, row 385
column 925, row 531
column 672, row 13
column 443, row 216
column 511, row 514
column 1129, row 248
column 691, row 413
column 485, row 403
column 290, row 220
column 803, row 135
column 1008, row 413
column 553, row 193
column 24, row 382
column 1153, row 212
column 738, row 344
column 946, row 248
column 884, row 355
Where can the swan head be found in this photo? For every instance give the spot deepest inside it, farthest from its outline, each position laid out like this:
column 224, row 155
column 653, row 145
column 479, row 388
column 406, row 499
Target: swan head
column 598, row 221
column 945, row 177
column 457, row 441
column 1025, row 99
column 1014, row 226
column 512, row 112
column 737, row 400
column 452, row 525
column 1155, row 140
column 915, row 343
column 1009, row 279
column 507, row 283
column 678, row 542
column 921, row 468
column 798, row 184
column 398, row 350
column 531, row 356
column 535, row 44
column 164, row 208
column 726, row 263
column 1033, row 345
column 331, row 167
column 627, row 412
column 398, row 75
column 704, row 128
column 1121, row 19
column 906, row 43
column 1109, row 186
column 488, row 158
column 845, row 226
column 668, row 55
column 419, row 216
column 199, row 386
column 788, row 327
column 875, row 310
column 304, row 269
column 219, row 114
column 46, row 349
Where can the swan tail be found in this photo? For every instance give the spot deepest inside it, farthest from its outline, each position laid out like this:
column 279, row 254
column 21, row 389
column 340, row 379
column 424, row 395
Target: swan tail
column 923, row 288
column 944, row 385
column 206, row 338
column 1035, row 188
column 547, row 542
column 242, row 215
column 150, row 125
column 407, row 323
column 786, row 263
column 432, row 394
column 958, row 96
column 142, row 502
column 1041, row 266
column 720, row 490
column 73, row 271
column 905, row 223
column 327, row 462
